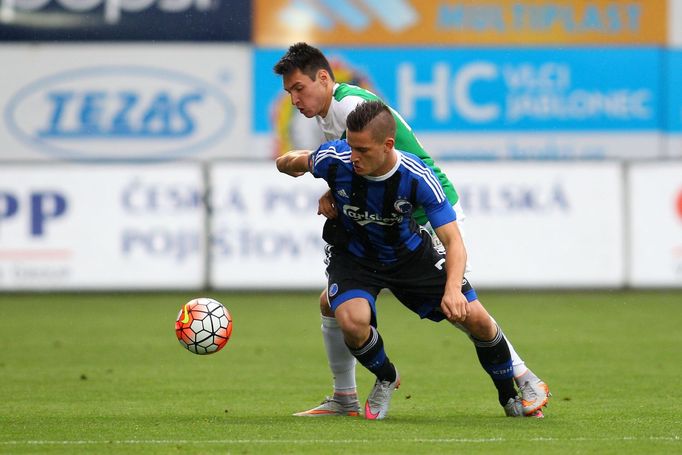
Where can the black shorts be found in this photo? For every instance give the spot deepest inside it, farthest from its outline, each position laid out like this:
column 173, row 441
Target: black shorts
column 417, row 281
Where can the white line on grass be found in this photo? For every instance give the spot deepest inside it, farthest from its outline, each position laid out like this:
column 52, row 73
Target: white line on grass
column 327, row 441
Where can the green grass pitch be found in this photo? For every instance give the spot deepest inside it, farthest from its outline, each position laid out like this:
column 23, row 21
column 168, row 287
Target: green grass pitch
column 103, row 373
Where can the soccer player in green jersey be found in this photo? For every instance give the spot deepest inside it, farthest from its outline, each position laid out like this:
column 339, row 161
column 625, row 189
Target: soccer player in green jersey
column 308, row 78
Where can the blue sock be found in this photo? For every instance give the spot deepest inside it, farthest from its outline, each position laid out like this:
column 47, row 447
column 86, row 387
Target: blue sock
column 496, row 361
column 373, row 357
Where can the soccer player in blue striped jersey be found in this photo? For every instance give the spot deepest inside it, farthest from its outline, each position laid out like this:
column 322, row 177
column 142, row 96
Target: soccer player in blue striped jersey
column 308, row 78
column 380, row 206
column 375, row 243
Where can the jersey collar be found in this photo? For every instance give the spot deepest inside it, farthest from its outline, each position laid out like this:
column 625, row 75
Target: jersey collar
column 381, row 178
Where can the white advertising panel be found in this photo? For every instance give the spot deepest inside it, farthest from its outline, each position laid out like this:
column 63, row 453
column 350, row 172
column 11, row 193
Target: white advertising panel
column 96, row 227
column 266, row 233
column 655, row 195
column 124, row 102
column 528, row 225
column 542, row 225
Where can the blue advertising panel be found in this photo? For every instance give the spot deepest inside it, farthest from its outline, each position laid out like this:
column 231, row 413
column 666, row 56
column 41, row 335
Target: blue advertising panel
column 125, row 20
column 674, row 91
column 499, row 90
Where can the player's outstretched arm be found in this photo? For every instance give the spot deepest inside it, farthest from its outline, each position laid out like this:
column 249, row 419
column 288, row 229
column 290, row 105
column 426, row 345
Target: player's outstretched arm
column 294, row 163
column 454, row 303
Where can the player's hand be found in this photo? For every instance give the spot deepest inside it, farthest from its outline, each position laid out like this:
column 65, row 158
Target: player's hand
column 326, row 206
column 455, row 306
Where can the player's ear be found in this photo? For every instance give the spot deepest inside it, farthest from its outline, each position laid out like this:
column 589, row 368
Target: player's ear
column 389, row 142
column 323, row 76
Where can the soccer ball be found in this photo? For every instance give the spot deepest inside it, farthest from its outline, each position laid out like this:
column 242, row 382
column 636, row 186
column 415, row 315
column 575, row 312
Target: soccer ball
column 203, row 326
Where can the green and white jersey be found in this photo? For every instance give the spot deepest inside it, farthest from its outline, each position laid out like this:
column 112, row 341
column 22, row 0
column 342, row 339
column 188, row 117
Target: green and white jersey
column 345, row 98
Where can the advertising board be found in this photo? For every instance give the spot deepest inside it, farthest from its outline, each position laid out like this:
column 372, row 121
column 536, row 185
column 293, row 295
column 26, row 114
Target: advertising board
column 124, row 102
column 655, row 219
column 543, row 225
column 528, row 226
column 675, row 23
column 460, row 23
column 266, row 234
column 125, row 20
column 96, row 227
column 489, row 103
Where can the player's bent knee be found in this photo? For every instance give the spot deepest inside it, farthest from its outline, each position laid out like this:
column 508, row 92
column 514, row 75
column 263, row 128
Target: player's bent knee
column 354, row 317
column 479, row 324
column 482, row 331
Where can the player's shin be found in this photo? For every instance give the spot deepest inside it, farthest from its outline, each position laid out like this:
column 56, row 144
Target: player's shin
column 373, row 357
column 520, row 368
column 341, row 361
column 496, row 360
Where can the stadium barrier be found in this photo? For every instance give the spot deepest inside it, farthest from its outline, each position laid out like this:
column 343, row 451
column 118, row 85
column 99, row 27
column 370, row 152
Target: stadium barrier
column 529, row 225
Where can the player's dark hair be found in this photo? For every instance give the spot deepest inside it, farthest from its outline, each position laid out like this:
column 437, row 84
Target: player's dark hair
column 305, row 58
column 375, row 115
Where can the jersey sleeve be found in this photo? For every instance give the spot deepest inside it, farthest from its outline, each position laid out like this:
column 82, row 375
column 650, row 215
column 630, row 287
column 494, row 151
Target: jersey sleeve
column 430, row 195
column 440, row 214
column 326, row 155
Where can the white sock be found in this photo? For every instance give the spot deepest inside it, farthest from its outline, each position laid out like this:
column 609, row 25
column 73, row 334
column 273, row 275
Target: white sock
column 341, row 361
column 518, row 365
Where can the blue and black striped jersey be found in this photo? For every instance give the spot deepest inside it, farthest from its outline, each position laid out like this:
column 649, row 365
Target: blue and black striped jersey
column 376, row 212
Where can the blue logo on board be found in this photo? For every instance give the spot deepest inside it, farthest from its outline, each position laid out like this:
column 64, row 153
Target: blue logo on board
column 119, row 113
